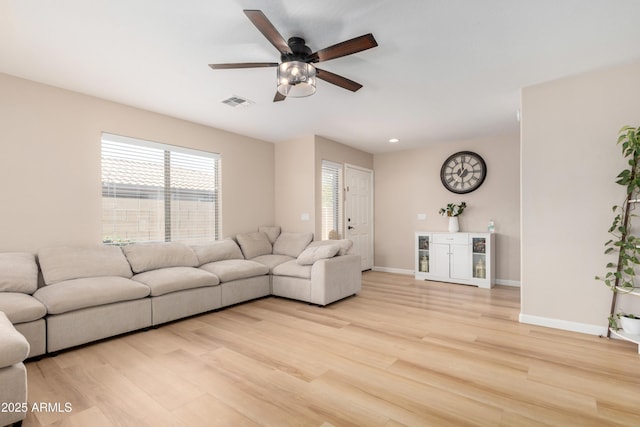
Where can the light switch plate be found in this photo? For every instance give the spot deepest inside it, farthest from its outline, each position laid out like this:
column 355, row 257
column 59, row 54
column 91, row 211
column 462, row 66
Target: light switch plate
column 305, row 217
column 422, row 216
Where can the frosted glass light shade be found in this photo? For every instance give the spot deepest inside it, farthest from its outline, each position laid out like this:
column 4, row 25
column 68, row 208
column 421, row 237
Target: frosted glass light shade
column 296, row 79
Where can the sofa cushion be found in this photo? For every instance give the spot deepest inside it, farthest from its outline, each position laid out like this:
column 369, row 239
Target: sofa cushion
column 293, row 269
column 217, row 251
column 18, row 272
column 233, row 269
column 65, row 263
column 14, row 347
column 272, row 232
column 254, row 244
column 315, row 253
column 272, row 260
column 344, row 244
column 151, row 256
column 172, row 279
column 291, row 244
column 89, row 292
column 21, row 308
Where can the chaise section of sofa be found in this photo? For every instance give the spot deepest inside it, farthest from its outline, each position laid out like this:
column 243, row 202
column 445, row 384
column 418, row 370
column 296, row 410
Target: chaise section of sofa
column 177, row 287
column 319, row 272
column 240, row 279
column 324, row 272
column 89, row 295
column 18, row 281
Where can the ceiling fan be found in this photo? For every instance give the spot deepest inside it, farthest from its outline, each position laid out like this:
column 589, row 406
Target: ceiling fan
column 296, row 72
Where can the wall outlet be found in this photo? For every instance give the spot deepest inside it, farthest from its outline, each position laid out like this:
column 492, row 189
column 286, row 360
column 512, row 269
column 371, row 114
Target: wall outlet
column 305, row 217
column 422, row 216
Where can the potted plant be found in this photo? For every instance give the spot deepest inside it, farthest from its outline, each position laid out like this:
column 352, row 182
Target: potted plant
column 621, row 275
column 630, row 323
column 453, row 211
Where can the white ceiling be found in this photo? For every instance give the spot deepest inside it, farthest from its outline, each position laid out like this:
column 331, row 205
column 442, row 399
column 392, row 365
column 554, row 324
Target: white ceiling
column 444, row 69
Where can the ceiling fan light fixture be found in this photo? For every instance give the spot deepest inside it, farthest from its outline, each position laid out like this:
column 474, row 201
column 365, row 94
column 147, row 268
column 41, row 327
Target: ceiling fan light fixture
column 296, row 79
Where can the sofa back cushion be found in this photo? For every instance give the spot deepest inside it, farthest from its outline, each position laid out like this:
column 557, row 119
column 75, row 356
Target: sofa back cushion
column 18, row 272
column 67, row 262
column 315, row 253
column 272, row 232
column 254, row 244
column 217, row 251
column 344, row 244
column 151, row 256
column 291, row 244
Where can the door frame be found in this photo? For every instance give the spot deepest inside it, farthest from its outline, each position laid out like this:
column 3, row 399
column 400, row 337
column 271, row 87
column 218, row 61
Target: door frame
column 348, row 166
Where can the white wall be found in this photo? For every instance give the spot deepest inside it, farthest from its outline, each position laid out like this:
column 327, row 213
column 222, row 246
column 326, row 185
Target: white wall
column 50, row 164
column 569, row 161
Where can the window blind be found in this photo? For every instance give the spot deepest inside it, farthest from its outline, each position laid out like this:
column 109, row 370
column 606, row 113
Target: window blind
column 155, row 192
column 331, row 200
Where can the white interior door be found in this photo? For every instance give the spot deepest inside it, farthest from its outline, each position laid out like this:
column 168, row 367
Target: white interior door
column 359, row 212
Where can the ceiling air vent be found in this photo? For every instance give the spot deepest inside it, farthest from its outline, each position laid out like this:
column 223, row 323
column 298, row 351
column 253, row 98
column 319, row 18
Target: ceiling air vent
column 237, row 101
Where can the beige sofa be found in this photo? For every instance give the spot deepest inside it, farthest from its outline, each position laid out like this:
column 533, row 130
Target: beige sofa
column 18, row 281
column 14, row 348
column 91, row 293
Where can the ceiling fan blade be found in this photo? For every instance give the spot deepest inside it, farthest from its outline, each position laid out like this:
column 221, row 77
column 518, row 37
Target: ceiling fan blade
column 243, row 65
column 279, row 97
column 345, row 48
column 268, row 30
column 337, row 80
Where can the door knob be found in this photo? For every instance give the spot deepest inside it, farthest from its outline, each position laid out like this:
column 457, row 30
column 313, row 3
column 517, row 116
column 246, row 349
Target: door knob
column 350, row 228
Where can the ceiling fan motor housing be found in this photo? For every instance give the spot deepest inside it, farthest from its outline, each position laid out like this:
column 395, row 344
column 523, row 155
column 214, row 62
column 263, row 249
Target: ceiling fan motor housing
column 299, row 50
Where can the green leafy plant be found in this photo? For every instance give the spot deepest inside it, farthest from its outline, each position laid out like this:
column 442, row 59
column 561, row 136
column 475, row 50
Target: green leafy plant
column 452, row 209
column 621, row 274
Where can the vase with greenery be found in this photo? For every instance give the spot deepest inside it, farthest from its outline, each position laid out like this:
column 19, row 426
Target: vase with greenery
column 624, row 242
column 453, row 211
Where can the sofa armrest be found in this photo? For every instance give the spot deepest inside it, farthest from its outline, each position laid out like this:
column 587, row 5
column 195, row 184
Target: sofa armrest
column 335, row 278
column 14, row 347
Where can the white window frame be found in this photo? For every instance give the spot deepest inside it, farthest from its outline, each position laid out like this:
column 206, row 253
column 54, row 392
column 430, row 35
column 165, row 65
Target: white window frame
column 171, row 176
column 332, row 199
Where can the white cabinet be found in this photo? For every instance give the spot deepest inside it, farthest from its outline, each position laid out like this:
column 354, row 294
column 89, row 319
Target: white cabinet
column 465, row 258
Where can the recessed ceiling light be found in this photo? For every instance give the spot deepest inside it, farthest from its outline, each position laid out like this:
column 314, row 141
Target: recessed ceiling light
column 394, row 140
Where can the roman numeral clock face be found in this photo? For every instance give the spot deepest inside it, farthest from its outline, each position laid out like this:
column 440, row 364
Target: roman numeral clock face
column 463, row 172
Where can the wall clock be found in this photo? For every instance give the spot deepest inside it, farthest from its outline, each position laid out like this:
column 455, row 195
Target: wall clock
column 463, row 172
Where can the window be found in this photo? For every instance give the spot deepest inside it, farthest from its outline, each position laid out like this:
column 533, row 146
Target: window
column 331, row 200
column 154, row 192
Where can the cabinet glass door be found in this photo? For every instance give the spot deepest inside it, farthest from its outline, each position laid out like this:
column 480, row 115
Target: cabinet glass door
column 479, row 248
column 423, row 254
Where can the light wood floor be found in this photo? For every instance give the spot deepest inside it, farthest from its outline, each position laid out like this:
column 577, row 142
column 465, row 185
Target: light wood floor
column 402, row 352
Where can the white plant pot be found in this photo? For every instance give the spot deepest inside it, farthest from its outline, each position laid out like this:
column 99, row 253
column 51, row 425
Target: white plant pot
column 454, row 227
column 629, row 325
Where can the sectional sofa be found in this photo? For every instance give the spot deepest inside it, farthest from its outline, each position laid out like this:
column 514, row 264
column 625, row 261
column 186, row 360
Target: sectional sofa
column 90, row 293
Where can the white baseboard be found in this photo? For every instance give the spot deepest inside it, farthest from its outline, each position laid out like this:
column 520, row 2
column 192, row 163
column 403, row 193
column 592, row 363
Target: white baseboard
column 566, row 325
column 406, row 272
column 394, row 270
column 503, row 282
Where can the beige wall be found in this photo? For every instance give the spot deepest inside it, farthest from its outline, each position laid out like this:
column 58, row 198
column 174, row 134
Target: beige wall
column 408, row 183
column 298, row 179
column 327, row 149
column 50, row 164
column 569, row 163
column 294, row 184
